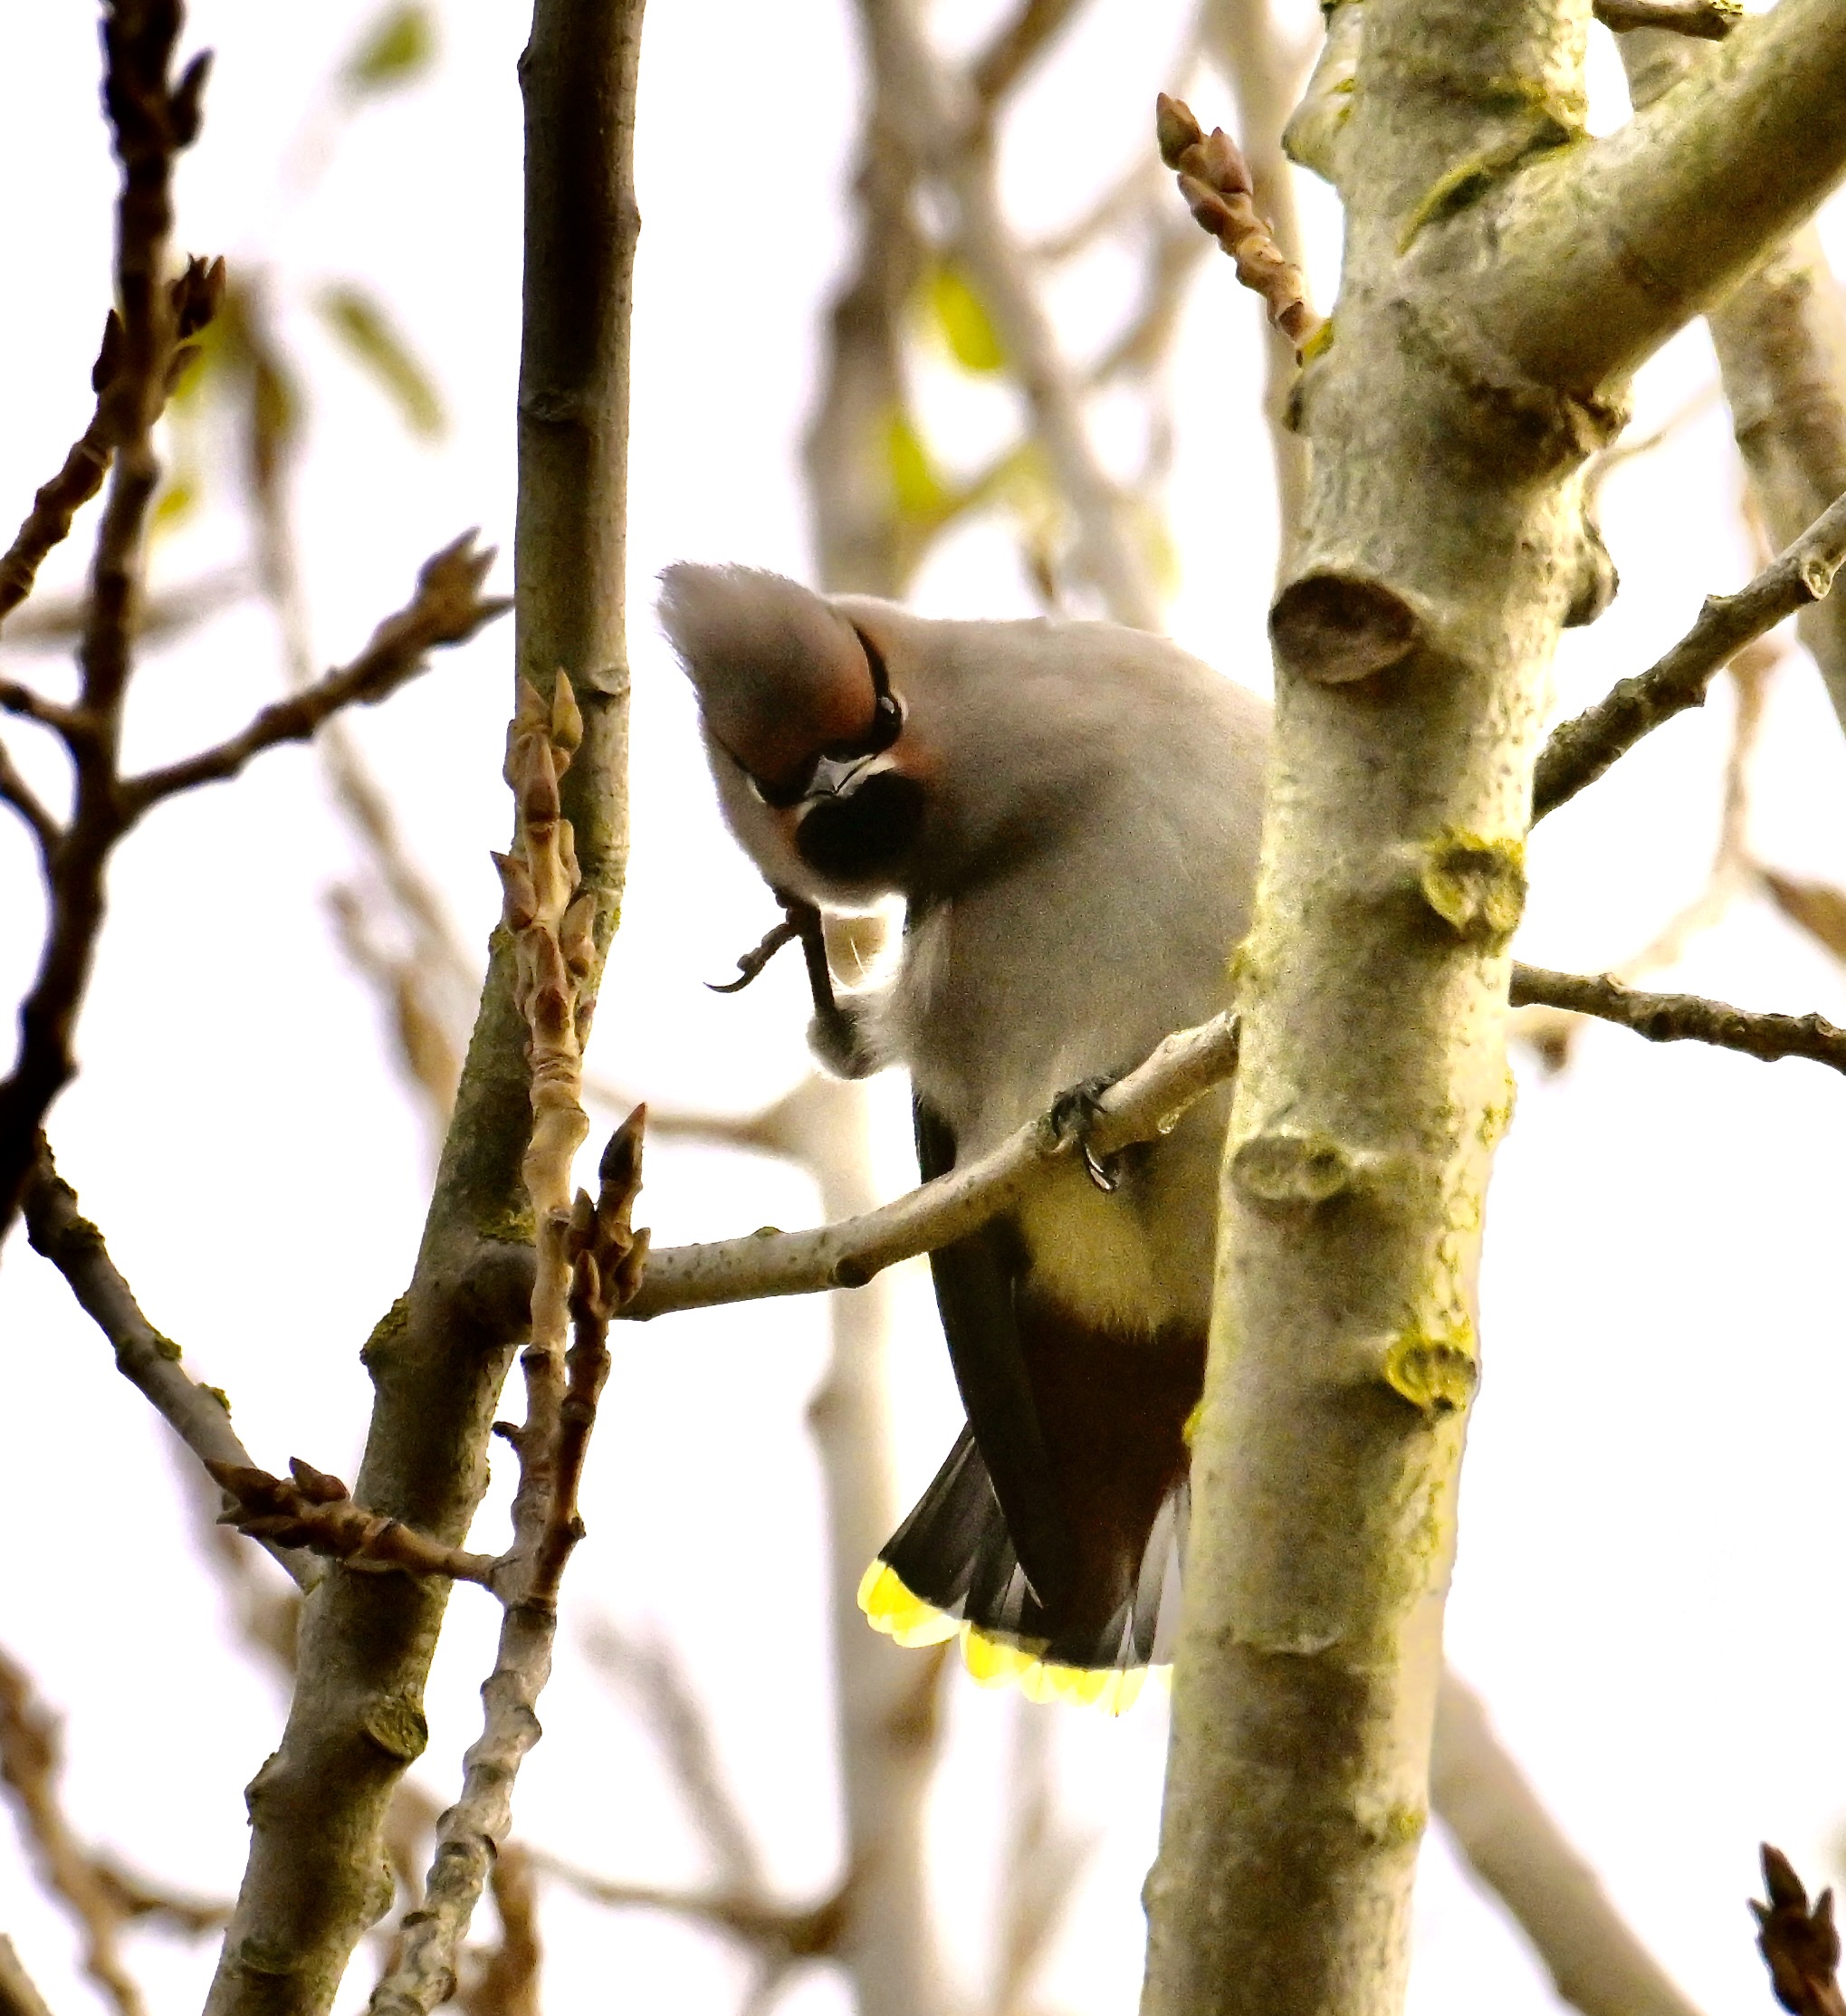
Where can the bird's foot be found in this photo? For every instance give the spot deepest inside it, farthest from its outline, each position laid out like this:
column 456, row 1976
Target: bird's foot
column 1074, row 1113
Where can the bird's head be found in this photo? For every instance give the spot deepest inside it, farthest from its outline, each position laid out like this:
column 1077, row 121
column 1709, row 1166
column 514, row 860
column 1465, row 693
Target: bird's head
column 806, row 731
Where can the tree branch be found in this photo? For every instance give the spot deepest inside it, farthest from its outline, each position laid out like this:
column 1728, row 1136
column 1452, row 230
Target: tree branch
column 1683, row 1018
column 447, row 608
column 1579, row 751
column 588, row 1267
column 1595, row 1962
column 199, row 1415
column 1709, row 20
column 310, row 1509
column 16, row 792
column 1137, row 1107
column 1606, row 248
column 152, row 118
column 439, row 1357
column 18, row 1996
column 58, row 502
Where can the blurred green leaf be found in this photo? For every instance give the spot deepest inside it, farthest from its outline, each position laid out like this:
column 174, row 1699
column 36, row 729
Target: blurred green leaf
column 962, row 319
column 362, row 325
column 395, row 50
column 920, row 494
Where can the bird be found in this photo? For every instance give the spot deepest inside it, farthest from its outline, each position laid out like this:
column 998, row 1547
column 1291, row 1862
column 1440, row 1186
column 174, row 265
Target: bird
column 1070, row 812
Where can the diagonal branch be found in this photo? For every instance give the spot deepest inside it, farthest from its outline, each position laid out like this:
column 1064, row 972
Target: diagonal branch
column 199, row 1415
column 1581, row 749
column 38, row 817
column 447, row 608
column 1709, row 20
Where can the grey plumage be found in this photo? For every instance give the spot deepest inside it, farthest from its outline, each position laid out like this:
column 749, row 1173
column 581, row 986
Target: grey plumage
column 1071, row 812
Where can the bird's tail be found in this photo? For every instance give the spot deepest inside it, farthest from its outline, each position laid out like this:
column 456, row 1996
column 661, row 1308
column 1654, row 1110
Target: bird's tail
column 951, row 1570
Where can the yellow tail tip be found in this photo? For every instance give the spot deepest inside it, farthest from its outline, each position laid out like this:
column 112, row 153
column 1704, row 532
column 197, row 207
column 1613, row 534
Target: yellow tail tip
column 893, row 1608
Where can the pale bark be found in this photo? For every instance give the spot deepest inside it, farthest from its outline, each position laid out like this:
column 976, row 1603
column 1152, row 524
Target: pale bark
column 317, row 1873
column 1502, row 274
column 1781, row 343
column 1515, row 1847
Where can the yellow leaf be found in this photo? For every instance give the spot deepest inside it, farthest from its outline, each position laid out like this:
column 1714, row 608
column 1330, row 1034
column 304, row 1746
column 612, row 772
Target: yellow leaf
column 178, row 500
column 395, row 50
column 962, row 319
column 362, row 325
column 919, row 492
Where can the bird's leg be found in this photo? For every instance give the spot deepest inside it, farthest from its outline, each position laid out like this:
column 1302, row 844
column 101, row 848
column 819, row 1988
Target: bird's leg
column 1074, row 1113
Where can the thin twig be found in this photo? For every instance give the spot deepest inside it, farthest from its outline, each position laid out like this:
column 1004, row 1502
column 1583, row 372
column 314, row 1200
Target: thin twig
column 648, row 1669
column 1683, row 1018
column 587, row 1266
column 58, row 502
column 1143, row 1103
column 1710, row 20
column 40, row 822
column 447, row 608
column 790, row 1932
column 199, row 1415
column 1016, row 46
column 99, row 1896
column 1579, row 751
column 310, row 1509
column 1800, row 1947
column 153, row 118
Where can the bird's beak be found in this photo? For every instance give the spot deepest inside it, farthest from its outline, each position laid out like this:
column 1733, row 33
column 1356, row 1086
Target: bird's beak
column 840, row 777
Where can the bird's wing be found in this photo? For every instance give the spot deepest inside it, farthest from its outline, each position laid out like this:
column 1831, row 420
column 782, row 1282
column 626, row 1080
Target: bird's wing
column 974, row 1280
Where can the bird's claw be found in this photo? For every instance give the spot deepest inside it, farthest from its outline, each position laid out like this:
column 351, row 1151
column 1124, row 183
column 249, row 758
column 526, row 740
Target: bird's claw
column 1074, row 1113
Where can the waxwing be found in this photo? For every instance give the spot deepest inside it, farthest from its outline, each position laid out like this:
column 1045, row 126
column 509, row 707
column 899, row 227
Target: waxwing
column 1070, row 812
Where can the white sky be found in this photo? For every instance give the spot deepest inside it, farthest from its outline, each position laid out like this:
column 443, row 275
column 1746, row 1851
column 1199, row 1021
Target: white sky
column 1650, row 1486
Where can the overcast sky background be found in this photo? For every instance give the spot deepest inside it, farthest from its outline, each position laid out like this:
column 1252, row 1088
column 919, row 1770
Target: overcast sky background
column 1648, row 1590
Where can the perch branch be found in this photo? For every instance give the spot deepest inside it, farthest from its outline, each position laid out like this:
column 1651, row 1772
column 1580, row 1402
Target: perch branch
column 1801, row 1947
column 1579, row 751
column 1137, row 1107
column 1683, row 1018
column 587, row 1266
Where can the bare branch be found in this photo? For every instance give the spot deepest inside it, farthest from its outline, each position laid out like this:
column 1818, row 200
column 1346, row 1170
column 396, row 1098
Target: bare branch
column 153, row 118
column 1710, row 20
column 98, row 1896
column 1016, row 46
column 507, row 1981
column 58, row 502
column 1517, row 1849
column 650, row 1671
column 1144, row 1103
column 788, row 1932
column 309, row 1508
column 588, row 1265
column 38, row 817
column 447, row 608
column 1579, row 751
column 18, row 1996
column 199, row 1415
column 1683, row 1018
column 1800, row 1947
